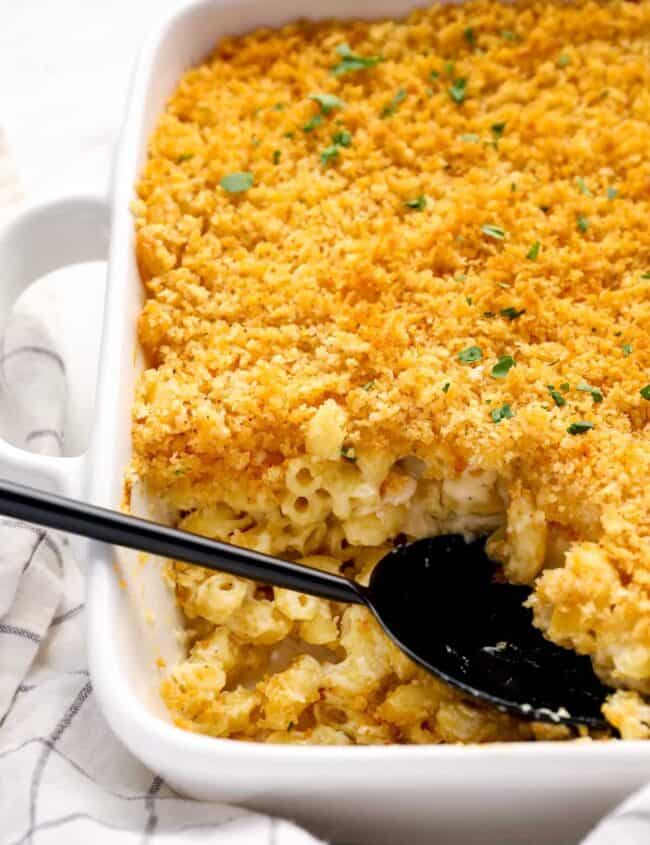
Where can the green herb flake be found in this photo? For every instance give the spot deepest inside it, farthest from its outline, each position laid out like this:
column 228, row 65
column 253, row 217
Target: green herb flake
column 503, row 366
column 434, row 74
column 351, row 62
column 565, row 387
column 184, row 157
column 580, row 427
column 348, row 454
column 391, row 107
column 470, row 36
column 236, row 183
column 513, row 187
column 627, row 349
column 312, row 123
column 563, row 60
column 458, row 90
column 493, row 232
column 179, row 472
column 556, row 396
column 582, row 224
column 512, row 313
column 489, row 314
column 368, row 385
column 289, row 134
column 418, row 203
column 279, row 107
column 498, row 129
column 645, row 392
column 645, row 275
column 329, row 154
column 470, row 138
column 533, row 252
column 582, row 186
column 342, row 138
column 449, row 68
column 596, row 395
column 508, row 35
column 446, row 386
column 327, row 102
column 612, row 193
column 470, row 355
column 504, row 412
column 277, row 154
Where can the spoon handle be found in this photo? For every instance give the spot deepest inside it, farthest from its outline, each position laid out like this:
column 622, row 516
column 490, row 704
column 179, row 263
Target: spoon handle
column 108, row 526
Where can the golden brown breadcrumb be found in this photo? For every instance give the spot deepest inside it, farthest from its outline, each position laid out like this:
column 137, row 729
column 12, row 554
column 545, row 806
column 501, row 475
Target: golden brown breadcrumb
column 508, row 212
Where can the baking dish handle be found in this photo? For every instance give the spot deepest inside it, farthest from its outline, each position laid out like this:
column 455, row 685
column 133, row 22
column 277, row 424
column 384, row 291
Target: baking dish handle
column 42, row 238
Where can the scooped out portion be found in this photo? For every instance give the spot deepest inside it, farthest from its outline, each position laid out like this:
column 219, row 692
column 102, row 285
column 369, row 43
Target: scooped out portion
column 397, row 283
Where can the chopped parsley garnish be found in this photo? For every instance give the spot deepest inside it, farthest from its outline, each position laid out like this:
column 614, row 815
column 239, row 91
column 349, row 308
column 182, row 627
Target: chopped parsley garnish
column 583, row 224
column 512, row 313
column 580, row 427
column 533, row 252
column 279, row 107
column 236, row 183
column 368, row 385
column 312, row 123
column 556, row 396
column 327, row 102
column 329, row 154
column 627, row 349
column 434, row 74
column 563, row 60
column 449, row 68
column 645, row 392
column 342, row 138
column 489, row 314
column 645, row 275
column 508, row 35
column 596, row 395
column 470, row 355
column 470, row 36
column 289, row 134
column 446, row 386
column 565, row 387
column 503, row 366
column 348, row 453
column 276, row 156
column 391, row 107
column 513, row 187
column 504, row 412
column 418, row 203
column 458, row 90
column 582, row 186
column 498, row 129
column 470, row 137
column 352, row 61
column 184, row 157
column 612, row 193
column 493, row 232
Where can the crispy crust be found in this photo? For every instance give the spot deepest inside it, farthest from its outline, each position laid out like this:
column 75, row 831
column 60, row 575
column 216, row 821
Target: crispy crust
column 319, row 283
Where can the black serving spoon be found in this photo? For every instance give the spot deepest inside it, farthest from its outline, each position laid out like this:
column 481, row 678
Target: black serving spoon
column 438, row 599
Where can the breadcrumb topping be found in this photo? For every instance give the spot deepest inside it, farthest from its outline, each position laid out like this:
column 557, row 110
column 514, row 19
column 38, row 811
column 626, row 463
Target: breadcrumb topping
column 451, row 243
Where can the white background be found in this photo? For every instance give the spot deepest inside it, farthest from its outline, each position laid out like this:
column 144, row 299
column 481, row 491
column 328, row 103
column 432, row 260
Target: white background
column 64, row 73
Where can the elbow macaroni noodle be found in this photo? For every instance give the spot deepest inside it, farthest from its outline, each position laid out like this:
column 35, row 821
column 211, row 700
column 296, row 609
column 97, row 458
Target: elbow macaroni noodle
column 270, row 664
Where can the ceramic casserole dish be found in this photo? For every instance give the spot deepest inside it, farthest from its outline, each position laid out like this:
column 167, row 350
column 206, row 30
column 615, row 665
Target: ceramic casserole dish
column 537, row 792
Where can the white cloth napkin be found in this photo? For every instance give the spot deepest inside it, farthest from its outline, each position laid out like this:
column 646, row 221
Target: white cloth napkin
column 63, row 776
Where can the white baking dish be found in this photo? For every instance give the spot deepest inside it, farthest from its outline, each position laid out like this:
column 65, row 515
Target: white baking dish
column 540, row 793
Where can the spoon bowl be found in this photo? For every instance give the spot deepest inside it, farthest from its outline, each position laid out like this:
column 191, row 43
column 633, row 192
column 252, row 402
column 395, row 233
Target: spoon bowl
column 440, row 601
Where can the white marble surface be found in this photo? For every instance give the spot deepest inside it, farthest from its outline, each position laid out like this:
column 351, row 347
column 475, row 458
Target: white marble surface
column 64, row 73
